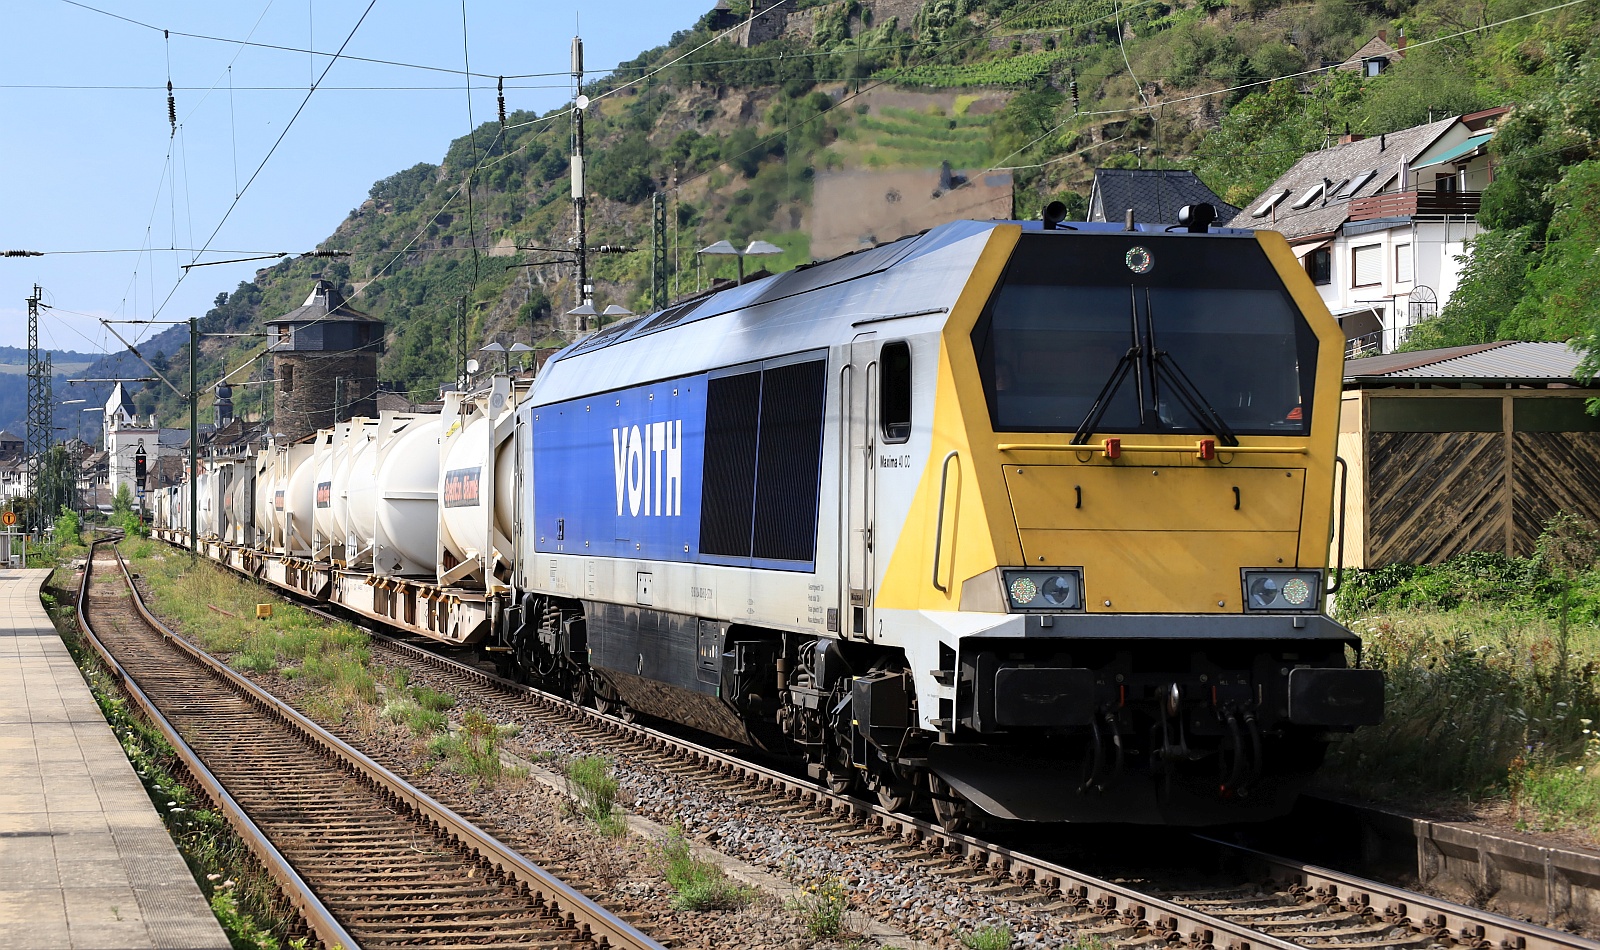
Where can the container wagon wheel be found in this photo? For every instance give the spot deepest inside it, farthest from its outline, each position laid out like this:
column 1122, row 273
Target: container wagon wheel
column 894, row 794
column 949, row 808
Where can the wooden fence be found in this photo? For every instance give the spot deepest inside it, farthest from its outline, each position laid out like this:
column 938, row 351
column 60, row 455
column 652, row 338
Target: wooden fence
column 1437, row 473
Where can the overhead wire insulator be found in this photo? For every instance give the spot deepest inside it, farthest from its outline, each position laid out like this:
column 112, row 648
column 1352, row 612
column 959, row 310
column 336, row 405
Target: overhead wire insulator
column 500, row 90
column 172, row 109
column 1072, row 87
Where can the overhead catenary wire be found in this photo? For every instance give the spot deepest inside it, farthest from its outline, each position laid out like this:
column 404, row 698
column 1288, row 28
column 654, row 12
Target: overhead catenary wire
column 270, row 152
column 1260, row 82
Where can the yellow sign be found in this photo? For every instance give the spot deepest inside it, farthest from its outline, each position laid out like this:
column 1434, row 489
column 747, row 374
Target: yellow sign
column 10, row 518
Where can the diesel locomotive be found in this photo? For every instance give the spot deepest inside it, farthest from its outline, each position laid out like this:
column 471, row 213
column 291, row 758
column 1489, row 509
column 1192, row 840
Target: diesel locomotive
column 1010, row 519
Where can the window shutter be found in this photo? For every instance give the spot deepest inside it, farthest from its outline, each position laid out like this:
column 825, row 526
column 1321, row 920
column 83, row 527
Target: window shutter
column 1367, row 263
column 1402, row 263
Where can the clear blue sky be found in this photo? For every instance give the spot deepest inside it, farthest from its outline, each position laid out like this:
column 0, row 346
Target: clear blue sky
column 88, row 169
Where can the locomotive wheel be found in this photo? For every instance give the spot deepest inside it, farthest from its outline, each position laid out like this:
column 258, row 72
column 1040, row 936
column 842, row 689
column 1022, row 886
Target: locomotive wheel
column 609, row 705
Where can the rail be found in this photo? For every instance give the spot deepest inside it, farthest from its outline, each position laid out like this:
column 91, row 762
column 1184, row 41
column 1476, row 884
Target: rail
column 592, row 920
column 318, row 918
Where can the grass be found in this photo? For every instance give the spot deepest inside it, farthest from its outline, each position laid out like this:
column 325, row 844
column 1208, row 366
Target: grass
column 697, row 885
column 218, row 608
column 987, row 938
column 593, row 784
column 1492, row 668
column 821, row 907
column 474, row 750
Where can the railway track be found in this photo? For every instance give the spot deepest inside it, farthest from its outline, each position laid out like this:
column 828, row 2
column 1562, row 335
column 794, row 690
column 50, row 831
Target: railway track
column 367, row 860
column 1271, row 903
column 1274, row 902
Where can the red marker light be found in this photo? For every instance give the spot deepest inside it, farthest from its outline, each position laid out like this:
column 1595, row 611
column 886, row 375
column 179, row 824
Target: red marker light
column 1207, row 449
column 1112, row 448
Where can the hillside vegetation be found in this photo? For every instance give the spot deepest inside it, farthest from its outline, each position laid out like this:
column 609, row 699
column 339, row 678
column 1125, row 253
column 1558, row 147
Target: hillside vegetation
column 733, row 137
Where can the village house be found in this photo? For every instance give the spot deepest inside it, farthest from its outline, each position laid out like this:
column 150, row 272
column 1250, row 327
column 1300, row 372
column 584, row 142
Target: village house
column 1152, row 195
column 1380, row 223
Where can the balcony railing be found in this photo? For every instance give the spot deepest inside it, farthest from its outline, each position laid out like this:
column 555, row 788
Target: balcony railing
column 1402, row 204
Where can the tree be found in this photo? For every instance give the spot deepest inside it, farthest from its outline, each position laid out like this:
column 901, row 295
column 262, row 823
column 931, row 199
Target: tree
column 1492, row 284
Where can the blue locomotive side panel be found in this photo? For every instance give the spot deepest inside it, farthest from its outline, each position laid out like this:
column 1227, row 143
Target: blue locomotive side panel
column 619, row 474
column 717, row 468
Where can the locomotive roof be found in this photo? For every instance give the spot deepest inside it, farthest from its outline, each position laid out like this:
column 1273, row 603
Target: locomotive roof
column 808, row 308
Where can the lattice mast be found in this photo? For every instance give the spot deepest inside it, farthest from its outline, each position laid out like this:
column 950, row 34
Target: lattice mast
column 39, row 402
column 658, row 251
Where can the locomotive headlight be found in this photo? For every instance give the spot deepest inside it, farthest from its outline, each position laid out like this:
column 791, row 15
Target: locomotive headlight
column 1282, row 590
column 1051, row 589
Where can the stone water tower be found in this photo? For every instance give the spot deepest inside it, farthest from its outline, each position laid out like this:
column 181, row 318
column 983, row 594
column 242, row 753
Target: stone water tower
column 325, row 363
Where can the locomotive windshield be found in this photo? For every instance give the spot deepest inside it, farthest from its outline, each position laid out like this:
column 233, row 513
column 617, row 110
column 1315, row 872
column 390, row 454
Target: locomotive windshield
column 1144, row 333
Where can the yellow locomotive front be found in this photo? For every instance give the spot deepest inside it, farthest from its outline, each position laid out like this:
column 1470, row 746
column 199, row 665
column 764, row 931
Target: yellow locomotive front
column 1138, row 488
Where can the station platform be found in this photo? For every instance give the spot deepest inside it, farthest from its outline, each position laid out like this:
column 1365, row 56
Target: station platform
column 85, row 862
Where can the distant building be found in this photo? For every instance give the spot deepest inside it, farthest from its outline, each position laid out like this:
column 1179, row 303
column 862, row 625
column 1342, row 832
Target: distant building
column 11, row 445
column 125, row 434
column 1379, row 222
column 858, row 209
column 1376, row 56
column 1154, row 195
column 325, row 363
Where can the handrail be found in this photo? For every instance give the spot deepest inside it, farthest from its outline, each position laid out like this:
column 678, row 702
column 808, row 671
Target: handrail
column 1338, row 572
column 1169, row 449
column 938, row 528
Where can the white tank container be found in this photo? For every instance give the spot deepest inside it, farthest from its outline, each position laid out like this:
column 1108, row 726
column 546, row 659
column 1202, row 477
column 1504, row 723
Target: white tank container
column 346, row 475
column 323, row 529
column 237, row 507
column 299, row 496
column 268, row 483
column 206, row 504
column 361, row 488
column 407, row 498
column 474, row 518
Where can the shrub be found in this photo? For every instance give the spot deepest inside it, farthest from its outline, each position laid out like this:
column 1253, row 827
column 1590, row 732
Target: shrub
column 593, row 784
column 821, row 906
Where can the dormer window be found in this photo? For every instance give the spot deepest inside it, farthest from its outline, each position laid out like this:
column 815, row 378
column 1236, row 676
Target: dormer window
column 1271, row 202
column 1360, row 182
column 1374, row 66
column 1312, row 194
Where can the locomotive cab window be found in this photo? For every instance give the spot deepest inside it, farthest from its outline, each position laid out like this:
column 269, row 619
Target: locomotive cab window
column 894, row 391
column 1144, row 333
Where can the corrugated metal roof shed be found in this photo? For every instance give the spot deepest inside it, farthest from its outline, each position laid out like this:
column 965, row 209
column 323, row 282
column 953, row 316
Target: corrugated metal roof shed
column 1505, row 361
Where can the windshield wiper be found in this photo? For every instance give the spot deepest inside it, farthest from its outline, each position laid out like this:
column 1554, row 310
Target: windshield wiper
column 1164, row 364
column 1134, row 360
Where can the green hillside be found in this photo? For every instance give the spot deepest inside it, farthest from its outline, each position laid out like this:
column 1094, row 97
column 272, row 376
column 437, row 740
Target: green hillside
column 734, row 138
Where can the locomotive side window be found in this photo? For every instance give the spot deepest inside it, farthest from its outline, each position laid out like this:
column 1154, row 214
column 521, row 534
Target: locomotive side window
column 1144, row 333
column 894, row 391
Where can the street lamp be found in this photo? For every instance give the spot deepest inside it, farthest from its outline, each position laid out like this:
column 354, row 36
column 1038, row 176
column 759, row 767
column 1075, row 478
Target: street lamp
column 521, row 348
column 80, row 417
column 497, row 348
column 756, row 249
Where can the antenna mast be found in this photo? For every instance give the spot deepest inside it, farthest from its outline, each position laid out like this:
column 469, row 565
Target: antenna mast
column 580, row 247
